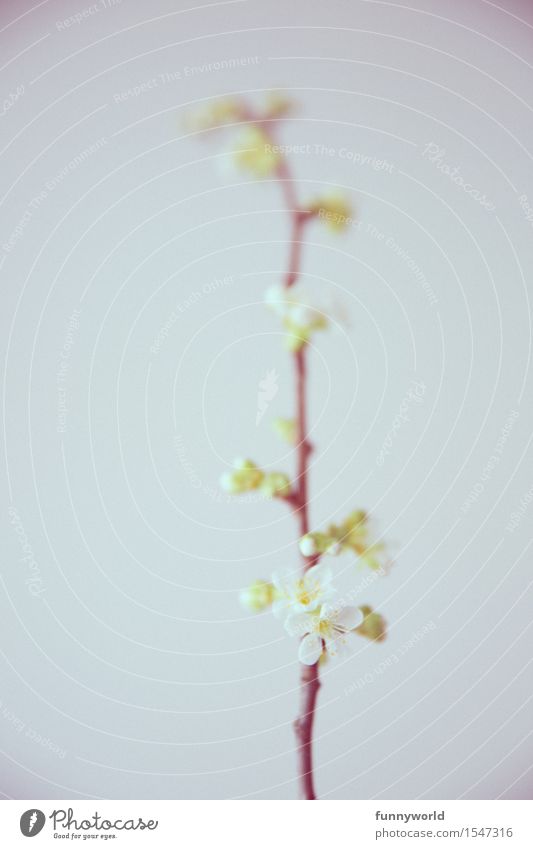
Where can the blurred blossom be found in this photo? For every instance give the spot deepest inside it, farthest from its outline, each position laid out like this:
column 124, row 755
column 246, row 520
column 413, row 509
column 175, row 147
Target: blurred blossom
column 333, row 209
column 300, row 315
column 285, row 429
column 258, row 596
column 373, row 626
column 223, row 111
column 252, row 152
column 244, row 477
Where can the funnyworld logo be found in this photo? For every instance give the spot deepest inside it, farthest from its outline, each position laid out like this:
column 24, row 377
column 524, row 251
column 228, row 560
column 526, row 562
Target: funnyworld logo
column 32, row 822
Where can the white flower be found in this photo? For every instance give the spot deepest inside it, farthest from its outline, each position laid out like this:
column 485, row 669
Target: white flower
column 308, row 546
column 328, row 626
column 318, row 543
column 302, row 594
column 296, row 306
column 277, row 298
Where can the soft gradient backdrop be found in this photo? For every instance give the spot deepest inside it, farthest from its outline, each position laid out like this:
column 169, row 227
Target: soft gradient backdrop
column 133, row 263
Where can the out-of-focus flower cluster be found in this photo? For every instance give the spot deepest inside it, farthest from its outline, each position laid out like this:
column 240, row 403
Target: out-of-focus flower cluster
column 300, row 315
column 231, row 110
column 353, row 534
column 254, row 149
column 246, row 476
column 333, row 209
column 312, row 610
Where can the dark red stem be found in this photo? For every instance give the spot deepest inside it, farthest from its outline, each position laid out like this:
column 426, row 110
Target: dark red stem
column 298, row 498
column 309, row 677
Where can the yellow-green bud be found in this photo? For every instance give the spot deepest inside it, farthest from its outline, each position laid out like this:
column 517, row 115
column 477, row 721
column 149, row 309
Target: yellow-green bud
column 278, row 105
column 333, row 210
column 276, row 484
column 222, row 111
column 373, row 626
column 319, row 543
column 244, row 477
column 258, row 596
column 286, row 429
column 254, row 152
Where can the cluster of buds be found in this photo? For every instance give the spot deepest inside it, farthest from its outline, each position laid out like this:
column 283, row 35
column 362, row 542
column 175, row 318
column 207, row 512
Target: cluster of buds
column 353, row 534
column 230, row 110
column 310, row 609
column 299, row 315
column 225, row 110
column 252, row 150
column 246, row 476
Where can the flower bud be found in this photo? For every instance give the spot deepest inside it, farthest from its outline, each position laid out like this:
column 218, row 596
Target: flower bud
column 258, row 596
column 308, row 545
column 276, row 484
column 228, row 484
column 222, row 111
column 373, row 626
column 319, row 543
column 296, row 338
column 254, row 152
column 277, row 105
column 333, row 210
column 277, row 297
column 244, row 477
column 286, row 429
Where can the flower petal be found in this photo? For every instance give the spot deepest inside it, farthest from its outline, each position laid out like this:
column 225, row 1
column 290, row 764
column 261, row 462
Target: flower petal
column 280, row 606
column 347, row 618
column 278, row 581
column 298, row 624
column 319, row 573
column 310, row 649
column 332, row 645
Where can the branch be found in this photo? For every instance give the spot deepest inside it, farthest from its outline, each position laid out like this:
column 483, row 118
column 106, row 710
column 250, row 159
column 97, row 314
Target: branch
column 298, row 497
column 310, row 682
